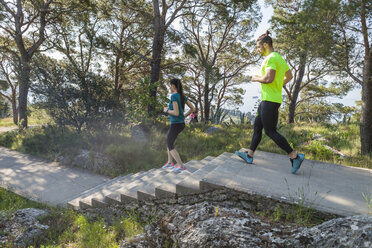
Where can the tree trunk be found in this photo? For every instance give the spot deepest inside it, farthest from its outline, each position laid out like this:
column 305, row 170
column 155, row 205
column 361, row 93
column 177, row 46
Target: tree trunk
column 14, row 107
column 157, row 48
column 297, row 87
column 23, row 92
column 366, row 116
column 207, row 104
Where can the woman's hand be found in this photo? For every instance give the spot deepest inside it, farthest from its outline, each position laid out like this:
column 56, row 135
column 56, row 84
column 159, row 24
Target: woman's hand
column 165, row 109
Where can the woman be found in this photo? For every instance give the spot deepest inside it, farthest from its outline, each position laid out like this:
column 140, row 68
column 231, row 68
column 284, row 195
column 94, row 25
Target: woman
column 177, row 119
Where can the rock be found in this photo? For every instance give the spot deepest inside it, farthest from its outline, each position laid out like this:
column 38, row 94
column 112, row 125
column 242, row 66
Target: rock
column 93, row 160
column 319, row 137
column 353, row 231
column 23, row 227
column 212, row 130
column 342, row 156
column 138, row 134
column 212, row 224
column 82, row 158
column 209, row 225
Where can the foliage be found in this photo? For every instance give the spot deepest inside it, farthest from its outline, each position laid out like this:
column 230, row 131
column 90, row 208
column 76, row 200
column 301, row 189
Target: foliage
column 71, row 99
column 217, row 52
column 139, row 99
column 4, row 108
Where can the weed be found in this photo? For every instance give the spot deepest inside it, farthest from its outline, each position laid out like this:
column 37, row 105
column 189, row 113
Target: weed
column 368, row 198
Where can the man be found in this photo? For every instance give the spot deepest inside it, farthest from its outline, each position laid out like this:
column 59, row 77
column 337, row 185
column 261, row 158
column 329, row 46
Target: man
column 274, row 74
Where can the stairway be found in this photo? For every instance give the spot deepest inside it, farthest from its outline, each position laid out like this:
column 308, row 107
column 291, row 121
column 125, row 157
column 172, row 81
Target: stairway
column 326, row 187
column 148, row 185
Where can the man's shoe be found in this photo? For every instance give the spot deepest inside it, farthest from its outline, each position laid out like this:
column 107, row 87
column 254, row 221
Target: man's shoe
column 296, row 163
column 245, row 157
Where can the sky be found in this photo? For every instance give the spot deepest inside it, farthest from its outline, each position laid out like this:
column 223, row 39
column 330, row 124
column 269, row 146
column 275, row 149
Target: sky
column 253, row 89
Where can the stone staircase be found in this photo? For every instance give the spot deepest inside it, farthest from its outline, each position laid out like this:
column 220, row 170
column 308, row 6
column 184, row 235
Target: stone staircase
column 326, row 187
column 149, row 185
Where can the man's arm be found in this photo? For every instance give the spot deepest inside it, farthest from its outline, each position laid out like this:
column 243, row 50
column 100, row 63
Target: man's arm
column 268, row 78
column 287, row 77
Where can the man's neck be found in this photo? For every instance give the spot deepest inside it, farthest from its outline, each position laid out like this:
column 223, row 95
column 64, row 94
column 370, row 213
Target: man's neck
column 269, row 51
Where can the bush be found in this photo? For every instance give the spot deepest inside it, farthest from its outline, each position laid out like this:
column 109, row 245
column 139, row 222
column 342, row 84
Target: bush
column 8, row 139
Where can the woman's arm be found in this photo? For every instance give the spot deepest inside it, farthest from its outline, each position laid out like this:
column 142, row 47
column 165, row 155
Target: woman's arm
column 175, row 111
column 192, row 108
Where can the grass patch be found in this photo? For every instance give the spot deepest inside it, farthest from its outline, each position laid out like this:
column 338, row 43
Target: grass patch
column 68, row 228
column 10, row 202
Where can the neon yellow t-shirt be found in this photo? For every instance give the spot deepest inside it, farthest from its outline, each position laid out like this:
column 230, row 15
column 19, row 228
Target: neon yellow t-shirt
column 273, row 91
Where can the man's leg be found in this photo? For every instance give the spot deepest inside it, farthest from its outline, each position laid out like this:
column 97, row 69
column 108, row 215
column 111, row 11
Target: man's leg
column 270, row 116
column 257, row 133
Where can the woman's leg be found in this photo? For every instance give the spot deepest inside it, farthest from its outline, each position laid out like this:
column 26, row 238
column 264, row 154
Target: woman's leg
column 170, row 158
column 174, row 130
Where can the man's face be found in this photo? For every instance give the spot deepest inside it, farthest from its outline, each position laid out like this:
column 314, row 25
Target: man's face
column 261, row 48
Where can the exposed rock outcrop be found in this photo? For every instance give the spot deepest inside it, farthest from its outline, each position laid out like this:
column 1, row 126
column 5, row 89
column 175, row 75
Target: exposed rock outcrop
column 22, row 227
column 209, row 225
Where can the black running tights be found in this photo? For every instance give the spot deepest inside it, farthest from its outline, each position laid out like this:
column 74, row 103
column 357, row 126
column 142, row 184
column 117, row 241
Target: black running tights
column 173, row 132
column 267, row 119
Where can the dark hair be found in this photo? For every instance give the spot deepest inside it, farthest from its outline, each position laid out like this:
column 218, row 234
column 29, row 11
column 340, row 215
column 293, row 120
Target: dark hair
column 265, row 38
column 176, row 82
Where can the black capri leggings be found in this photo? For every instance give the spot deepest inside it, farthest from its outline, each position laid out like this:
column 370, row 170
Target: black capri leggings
column 173, row 132
column 267, row 119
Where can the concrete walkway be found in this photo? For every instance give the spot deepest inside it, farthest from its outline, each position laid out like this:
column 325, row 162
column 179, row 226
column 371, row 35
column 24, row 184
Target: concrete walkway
column 43, row 181
column 327, row 187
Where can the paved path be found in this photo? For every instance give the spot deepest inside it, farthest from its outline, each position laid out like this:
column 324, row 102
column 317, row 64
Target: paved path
column 7, row 129
column 328, row 187
column 43, row 181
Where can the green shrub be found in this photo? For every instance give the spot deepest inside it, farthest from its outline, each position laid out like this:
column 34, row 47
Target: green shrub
column 10, row 202
column 8, row 139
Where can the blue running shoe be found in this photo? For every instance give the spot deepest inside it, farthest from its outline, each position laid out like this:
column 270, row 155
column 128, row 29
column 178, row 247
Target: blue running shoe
column 245, row 156
column 296, row 163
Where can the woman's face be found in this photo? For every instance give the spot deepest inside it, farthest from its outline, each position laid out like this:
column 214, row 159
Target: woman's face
column 172, row 88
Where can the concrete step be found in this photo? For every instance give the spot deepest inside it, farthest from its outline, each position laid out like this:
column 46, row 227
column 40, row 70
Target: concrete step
column 162, row 187
column 98, row 199
column 166, row 186
column 75, row 201
column 194, row 165
column 143, row 191
column 169, row 189
column 115, row 184
column 209, row 158
column 147, row 192
column 125, row 194
column 190, row 185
